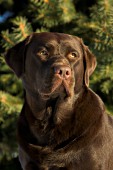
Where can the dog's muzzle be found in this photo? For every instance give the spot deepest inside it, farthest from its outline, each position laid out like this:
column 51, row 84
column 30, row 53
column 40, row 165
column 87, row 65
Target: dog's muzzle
column 63, row 72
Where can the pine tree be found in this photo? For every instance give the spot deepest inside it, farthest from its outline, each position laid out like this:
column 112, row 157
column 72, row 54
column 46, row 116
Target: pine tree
column 57, row 16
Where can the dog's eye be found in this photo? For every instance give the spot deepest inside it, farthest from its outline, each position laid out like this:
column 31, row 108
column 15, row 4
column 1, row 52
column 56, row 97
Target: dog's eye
column 73, row 55
column 43, row 52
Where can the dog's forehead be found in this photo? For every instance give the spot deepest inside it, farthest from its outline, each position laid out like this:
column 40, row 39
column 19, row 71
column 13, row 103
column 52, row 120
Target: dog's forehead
column 42, row 39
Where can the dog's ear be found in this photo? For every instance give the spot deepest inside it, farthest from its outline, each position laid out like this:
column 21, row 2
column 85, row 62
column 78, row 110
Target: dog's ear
column 89, row 63
column 15, row 56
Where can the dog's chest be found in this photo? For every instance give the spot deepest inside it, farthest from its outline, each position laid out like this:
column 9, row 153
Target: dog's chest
column 50, row 135
column 47, row 131
column 42, row 131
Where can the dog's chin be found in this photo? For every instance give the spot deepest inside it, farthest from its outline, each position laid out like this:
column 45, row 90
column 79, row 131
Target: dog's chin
column 60, row 90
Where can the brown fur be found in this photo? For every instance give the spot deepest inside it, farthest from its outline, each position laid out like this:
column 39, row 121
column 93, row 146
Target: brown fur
column 63, row 124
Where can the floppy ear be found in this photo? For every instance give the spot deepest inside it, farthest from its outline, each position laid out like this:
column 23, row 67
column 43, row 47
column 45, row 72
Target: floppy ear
column 89, row 63
column 15, row 57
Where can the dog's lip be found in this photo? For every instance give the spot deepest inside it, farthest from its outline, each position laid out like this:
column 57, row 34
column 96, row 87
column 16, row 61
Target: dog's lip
column 63, row 83
column 66, row 86
column 46, row 95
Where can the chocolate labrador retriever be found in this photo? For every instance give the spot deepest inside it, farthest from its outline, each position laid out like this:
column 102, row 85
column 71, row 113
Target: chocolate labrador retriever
column 63, row 124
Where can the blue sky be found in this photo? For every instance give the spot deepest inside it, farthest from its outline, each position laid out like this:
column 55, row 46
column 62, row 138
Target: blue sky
column 5, row 15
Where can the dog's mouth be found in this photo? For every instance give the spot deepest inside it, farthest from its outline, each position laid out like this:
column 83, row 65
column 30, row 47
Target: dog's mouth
column 60, row 89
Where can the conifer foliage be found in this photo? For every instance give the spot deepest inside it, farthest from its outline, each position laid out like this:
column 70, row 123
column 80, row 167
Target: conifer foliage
column 96, row 29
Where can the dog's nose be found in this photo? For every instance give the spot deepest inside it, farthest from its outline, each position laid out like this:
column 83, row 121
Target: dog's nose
column 62, row 71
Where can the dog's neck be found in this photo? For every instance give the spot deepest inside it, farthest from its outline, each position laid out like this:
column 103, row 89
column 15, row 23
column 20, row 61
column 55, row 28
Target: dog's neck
column 36, row 105
column 53, row 121
column 54, row 107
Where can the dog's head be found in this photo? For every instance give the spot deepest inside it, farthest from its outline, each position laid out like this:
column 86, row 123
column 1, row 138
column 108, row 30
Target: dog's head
column 52, row 64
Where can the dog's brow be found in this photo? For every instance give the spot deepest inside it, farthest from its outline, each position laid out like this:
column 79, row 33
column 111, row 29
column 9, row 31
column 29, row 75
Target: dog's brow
column 51, row 43
column 67, row 44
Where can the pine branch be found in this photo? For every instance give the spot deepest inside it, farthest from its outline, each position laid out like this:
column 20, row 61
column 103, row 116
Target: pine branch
column 7, row 39
column 21, row 28
column 49, row 13
column 9, row 104
column 103, row 24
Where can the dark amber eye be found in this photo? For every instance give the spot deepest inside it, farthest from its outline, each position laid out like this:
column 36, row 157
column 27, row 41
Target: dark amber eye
column 73, row 55
column 43, row 52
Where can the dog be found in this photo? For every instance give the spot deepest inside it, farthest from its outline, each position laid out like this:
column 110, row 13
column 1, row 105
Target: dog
column 63, row 124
